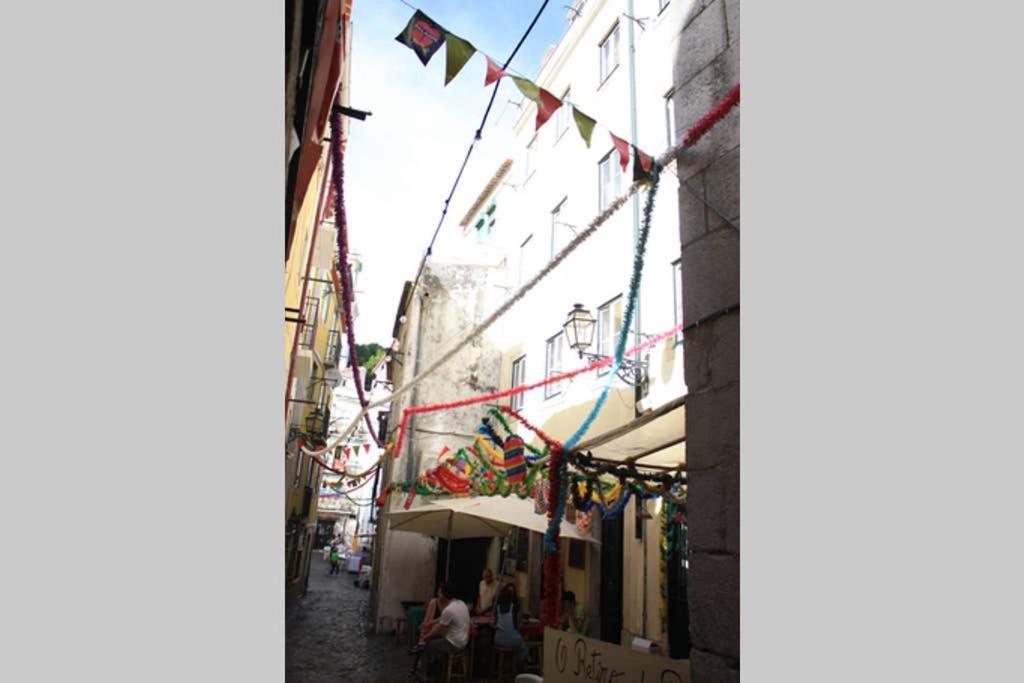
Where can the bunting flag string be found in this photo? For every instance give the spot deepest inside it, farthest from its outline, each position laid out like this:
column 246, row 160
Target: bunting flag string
column 424, row 36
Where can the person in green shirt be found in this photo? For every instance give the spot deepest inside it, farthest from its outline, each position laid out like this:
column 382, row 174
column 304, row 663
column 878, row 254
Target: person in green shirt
column 574, row 615
column 335, row 558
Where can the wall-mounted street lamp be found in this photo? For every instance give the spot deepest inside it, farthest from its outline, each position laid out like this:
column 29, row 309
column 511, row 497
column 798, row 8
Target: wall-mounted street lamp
column 579, row 333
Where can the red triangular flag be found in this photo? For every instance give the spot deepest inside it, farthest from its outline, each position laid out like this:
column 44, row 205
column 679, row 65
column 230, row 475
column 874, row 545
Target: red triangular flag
column 494, row 72
column 366, row 447
column 348, row 451
column 546, row 107
column 623, row 148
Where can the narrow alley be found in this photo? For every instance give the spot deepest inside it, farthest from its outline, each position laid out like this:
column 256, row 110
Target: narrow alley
column 327, row 638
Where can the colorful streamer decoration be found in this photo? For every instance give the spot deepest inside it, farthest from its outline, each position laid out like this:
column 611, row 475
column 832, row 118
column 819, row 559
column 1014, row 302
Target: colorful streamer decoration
column 515, row 461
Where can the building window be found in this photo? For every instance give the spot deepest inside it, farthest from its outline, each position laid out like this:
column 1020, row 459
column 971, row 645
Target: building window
column 524, row 259
column 299, row 462
column 562, row 116
column 670, row 118
column 677, row 295
column 609, row 324
column 609, row 174
column 609, row 54
column 518, row 380
column 560, row 230
column 553, row 364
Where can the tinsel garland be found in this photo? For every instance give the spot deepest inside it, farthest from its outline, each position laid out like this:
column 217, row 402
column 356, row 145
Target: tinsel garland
column 697, row 130
column 346, row 294
column 620, row 349
column 552, row 561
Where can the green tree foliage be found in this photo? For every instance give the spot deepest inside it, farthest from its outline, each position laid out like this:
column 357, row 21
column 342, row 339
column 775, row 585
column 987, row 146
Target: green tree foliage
column 369, row 354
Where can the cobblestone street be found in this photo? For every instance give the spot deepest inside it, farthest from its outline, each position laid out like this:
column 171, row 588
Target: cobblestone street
column 326, row 638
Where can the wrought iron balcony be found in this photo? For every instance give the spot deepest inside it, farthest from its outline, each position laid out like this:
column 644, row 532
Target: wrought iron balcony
column 333, row 355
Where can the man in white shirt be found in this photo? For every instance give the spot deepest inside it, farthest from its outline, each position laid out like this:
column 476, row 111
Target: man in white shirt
column 451, row 632
column 487, row 593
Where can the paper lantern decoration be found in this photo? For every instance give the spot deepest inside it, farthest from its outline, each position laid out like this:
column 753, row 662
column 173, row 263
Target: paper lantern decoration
column 515, row 462
column 540, row 497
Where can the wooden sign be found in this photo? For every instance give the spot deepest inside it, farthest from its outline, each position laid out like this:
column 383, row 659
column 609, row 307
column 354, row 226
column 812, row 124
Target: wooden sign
column 570, row 658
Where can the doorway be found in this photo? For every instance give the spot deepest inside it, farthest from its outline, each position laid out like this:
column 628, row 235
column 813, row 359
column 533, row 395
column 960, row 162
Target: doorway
column 678, row 606
column 611, row 579
column 469, row 557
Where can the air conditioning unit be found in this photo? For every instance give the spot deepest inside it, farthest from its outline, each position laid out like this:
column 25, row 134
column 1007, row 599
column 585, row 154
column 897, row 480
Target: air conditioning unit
column 323, row 254
column 303, row 364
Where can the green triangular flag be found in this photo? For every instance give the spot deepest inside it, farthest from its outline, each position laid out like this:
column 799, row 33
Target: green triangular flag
column 529, row 89
column 459, row 52
column 585, row 124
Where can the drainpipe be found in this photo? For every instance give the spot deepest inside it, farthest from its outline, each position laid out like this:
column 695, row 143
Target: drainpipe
column 638, row 390
column 411, row 470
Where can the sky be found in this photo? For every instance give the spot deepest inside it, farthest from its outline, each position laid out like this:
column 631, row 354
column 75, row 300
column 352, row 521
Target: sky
column 400, row 162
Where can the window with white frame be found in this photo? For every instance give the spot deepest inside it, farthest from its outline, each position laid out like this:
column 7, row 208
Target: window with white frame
column 553, row 354
column 525, row 263
column 609, row 179
column 677, row 294
column 562, row 115
column 670, row 118
column 609, row 54
column 518, row 380
column 609, row 324
column 561, row 232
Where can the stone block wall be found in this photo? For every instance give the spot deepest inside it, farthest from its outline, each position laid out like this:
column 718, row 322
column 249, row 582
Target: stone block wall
column 707, row 66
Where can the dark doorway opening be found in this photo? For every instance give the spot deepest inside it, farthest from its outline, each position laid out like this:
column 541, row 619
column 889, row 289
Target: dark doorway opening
column 611, row 580
column 469, row 557
column 678, row 607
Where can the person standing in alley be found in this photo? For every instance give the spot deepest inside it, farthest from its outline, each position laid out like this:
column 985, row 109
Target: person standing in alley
column 335, row 558
column 507, row 622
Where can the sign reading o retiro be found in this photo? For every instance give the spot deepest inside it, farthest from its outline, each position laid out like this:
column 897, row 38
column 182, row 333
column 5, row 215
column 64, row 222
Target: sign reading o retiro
column 570, row 658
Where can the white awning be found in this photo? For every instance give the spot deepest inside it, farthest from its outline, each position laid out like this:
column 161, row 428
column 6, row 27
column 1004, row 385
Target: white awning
column 655, row 440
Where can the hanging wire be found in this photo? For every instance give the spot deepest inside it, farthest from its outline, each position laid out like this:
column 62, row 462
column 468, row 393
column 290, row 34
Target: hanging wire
column 476, row 137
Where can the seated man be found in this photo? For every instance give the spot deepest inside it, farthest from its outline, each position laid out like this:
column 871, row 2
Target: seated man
column 450, row 633
column 574, row 616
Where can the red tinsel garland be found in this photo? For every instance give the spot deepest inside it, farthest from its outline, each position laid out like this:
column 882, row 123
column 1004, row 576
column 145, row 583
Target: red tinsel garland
column 496, row 395
column 552, row 561
column 697, row 130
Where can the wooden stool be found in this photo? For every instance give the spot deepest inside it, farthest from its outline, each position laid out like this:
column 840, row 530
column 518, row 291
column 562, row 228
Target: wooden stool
column 458, row 669
column 536, row 649
column 506, row 662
